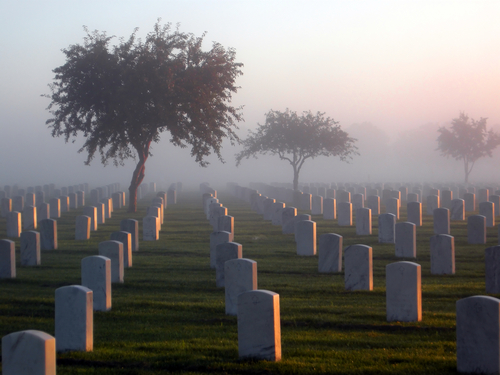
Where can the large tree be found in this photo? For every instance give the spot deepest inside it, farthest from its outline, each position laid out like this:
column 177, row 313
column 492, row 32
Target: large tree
column 467, row 140
column 122, row 97
column 297, row 138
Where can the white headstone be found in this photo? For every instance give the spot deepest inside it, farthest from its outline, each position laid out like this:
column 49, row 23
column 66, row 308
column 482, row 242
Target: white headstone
column 7, row 259
column 30, row 248
column 363, row 221
column 358, row 271
column 82, row 227
column 259, row 328
column 403, row 292
column 114, row 251
column 223, row 252
column 96, row 275
column 476, row 229
column 406, row 240
column 442, row 254
column 386, row 228
column 74, row 319
column 305, row 235
column 330, row 253
column 240, row 276
column 478, row 335
column 28, row 353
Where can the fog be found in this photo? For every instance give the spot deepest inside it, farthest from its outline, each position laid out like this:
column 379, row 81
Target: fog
column 390, row 72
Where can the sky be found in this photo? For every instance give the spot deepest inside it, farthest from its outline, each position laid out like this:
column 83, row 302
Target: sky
column 398, row 65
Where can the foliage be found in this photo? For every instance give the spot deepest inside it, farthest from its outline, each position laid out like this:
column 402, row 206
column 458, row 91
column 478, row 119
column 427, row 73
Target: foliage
column 297, row 138
column 122, row 97
column 467, row 140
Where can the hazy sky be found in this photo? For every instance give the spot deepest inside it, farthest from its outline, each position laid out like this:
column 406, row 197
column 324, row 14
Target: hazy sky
column 396, row 64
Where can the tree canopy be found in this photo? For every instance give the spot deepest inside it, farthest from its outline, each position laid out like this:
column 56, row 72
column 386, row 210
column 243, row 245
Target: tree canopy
column 296, row 138
column 467, row 140
column 122, row 97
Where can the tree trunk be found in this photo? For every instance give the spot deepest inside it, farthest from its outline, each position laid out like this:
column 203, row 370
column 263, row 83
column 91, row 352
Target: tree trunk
column 138, row 176
column 295, row 178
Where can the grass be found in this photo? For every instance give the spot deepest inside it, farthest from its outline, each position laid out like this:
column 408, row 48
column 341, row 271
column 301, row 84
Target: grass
column 168, row 316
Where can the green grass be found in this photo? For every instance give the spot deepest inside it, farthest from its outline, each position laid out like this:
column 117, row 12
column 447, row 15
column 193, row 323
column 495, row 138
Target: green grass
column 168, row 316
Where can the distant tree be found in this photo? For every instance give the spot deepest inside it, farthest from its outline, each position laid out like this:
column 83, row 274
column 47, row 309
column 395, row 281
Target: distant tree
column 467, row 140
column 297, row 138
column 122, row 97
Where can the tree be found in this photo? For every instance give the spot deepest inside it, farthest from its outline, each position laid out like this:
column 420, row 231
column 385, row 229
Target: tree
column 467, row 140
column 122, row 97
column 297, row 138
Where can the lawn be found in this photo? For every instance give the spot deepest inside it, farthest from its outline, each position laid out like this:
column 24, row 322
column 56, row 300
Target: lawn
column 169, row 317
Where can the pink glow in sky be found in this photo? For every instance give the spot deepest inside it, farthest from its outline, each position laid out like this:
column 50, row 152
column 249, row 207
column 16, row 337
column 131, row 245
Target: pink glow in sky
column 396, row 64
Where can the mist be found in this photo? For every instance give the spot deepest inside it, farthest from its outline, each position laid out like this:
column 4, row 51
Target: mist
column 391, row 73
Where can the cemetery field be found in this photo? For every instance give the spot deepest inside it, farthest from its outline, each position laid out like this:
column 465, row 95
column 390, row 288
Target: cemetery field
column 169, row 317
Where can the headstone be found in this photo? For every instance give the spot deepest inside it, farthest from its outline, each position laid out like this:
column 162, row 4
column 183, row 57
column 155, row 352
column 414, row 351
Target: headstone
column 305, row 235
column 330, row 253
column 30, row 248
column 114, row 251
column 495, row 199
column 476, row 229
column 91, row 212
column 386, row 228
column 29, row 218
column 470, row 202
column 442, row 254
column 100, row 211
column 478, row 335
column 28, row 353
column 217, row 238
column 358, row 201
column 358, row 271
column 13, row 224
column 82, row 227
column 288, row 220
column 457, row 209
column 43, row 211
column 259, row 328
column 131, row 226
column 487, row 209
column 277, row 210
column 406, row 240
column 268, row 208
column 6, row 206
column 55, row 208
column 363, row 221
column 48, row 234
column 171, row 196
column 64, row 203
column 30, row 199
column 483, row 195
column 73, row 201
column 373, row 203
column 329, row 209
column 240, row 276
column 224, row 252
column 96, row 275
column 18, row 203
column 80, row 198
column 226, row 224
column 344, row 214
column 492, row 261
column 446, row 198
column 126, row 239
column 392, row 207
column 317, row 205
column 403, row 292
column 414, row 213
column 441, row 221
column 74, row 319
column 7, row 259
column 150, row 228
